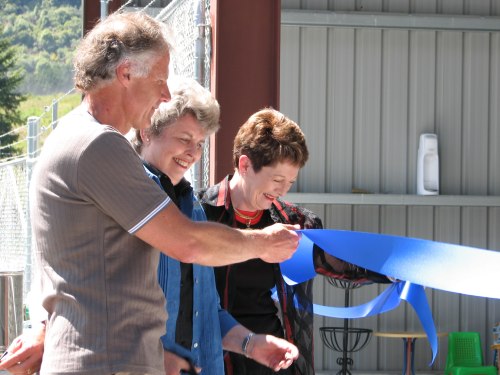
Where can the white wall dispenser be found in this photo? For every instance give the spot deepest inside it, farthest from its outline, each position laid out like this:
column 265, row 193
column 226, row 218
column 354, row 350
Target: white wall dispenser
column 428, row 165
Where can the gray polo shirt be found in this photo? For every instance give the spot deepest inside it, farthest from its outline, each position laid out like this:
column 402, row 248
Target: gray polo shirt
column 89, row 194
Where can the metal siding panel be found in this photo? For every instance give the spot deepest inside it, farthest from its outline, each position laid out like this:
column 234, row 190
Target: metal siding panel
column 421, row 222
column 290, row 4
column 421, row 98
column 449, row 109
column 338, row 217
column 394, row 112
column 366, row 219
column 398, row 6
column 474, row 233
column 343, row 5
column 367, row 110
column 445, row 305
column 474, row 227
column 493, row 305
column 393, row 221
column 289, row 71
column 312, row 107
column 477, row 7
column 451, row 7
column 495, row 7
column 494, row 228
column 475, row 112
column 436, row 92
column 420, row 225
column 340, row 107
column 369, row 5
column 424, row 6
column 315, row 4
column 494, row 125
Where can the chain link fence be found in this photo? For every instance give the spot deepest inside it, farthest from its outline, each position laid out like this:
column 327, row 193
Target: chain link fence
column 13, row 220
column 189, row 21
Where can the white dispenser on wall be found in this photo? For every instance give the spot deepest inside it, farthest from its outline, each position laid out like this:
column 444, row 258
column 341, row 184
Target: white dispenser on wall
column 428, row 165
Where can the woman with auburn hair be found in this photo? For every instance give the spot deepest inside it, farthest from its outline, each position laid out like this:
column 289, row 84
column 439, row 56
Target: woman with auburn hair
column 269, row 150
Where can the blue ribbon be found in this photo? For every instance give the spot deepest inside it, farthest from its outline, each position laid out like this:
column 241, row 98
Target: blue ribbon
column 418, row 262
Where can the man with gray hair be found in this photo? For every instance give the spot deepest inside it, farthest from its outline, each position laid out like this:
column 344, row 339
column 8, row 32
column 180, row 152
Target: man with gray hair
column 97, row 218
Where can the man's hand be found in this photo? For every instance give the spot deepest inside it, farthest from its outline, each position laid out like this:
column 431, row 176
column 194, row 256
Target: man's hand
column 174, row 364
column 279, row 242
column 25, row 353
column 273, row 352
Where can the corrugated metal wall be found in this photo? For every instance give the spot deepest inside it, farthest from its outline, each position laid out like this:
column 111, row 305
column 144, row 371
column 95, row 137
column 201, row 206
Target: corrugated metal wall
column 363, row 96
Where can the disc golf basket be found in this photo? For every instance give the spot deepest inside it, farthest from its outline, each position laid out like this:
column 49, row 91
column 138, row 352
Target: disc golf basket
column 345, row 339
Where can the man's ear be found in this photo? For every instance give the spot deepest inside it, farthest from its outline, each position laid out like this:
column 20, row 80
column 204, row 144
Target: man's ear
column 123, row 73
column 144, row 135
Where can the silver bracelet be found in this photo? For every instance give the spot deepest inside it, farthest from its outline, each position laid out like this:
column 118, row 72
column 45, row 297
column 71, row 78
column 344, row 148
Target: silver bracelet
column 244, row 344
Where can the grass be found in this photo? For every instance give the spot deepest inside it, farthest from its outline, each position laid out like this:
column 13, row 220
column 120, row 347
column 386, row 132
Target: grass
column 41, row 106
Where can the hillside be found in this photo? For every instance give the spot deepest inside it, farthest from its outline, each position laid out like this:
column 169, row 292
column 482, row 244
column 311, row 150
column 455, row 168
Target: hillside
column 45, row 32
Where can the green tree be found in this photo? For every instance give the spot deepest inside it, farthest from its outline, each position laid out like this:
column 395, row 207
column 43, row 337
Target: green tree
column 22, row 32
column 45, row 33
column 10, row 98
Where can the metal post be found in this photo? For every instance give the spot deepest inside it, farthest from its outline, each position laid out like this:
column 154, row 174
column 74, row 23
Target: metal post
column 104, row 9
column 199, row 51
column 199, row 75
column 54, row 113
column 32, row 139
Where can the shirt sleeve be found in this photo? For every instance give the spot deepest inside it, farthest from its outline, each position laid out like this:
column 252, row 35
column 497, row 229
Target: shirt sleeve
column 110, row 173
column 226, row 321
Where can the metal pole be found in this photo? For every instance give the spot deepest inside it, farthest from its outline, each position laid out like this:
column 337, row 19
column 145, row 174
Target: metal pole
column 32, row 140
column 199, row 75
column 199, row 51
column 54, row 113
column 104, row 9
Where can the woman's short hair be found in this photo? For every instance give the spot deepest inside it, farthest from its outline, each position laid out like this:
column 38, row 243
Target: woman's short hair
column 134, row 37
column 269, row 137
column 188, row 98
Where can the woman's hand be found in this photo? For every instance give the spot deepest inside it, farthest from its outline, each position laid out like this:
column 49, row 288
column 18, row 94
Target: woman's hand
column 268, row 350
column 25, row 353
column 273, row 352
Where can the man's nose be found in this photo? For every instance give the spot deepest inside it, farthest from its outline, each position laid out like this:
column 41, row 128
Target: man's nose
column 165, row 94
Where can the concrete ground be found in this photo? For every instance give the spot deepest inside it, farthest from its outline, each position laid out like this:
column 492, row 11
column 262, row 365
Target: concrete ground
column 334, row 372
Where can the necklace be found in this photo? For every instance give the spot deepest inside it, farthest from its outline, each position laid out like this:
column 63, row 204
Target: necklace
column 248, row 218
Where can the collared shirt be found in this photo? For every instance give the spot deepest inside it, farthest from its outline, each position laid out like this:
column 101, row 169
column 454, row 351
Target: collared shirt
column 97, row 280
column 210, row 322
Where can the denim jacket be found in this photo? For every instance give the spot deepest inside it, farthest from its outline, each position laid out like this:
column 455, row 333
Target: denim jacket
column 210, row 322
